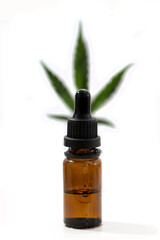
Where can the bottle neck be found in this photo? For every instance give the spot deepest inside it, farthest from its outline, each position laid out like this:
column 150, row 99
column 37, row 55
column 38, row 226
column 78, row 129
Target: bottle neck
column 83, row 153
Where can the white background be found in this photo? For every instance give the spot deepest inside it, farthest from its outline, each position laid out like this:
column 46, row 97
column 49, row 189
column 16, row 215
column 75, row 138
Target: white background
column 31, row 145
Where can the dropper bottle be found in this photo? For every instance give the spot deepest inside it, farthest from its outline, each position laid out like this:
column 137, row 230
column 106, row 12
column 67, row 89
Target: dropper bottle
column 82, row 167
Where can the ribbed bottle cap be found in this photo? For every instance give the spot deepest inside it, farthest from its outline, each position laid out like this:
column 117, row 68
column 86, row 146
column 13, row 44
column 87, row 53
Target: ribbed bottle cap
column 82, row 127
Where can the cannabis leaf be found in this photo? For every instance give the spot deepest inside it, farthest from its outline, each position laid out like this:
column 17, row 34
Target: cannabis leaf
column 108, row 90
column 99, row 120
column 59, row 117
column 59, row 87
column 105, row 122
column 80, row 63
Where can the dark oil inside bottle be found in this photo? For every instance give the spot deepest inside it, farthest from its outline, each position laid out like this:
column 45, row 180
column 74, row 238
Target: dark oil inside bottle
column 84, row 203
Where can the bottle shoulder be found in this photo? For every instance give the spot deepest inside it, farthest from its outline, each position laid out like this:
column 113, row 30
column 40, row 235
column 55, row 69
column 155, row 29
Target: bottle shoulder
column 95, row 161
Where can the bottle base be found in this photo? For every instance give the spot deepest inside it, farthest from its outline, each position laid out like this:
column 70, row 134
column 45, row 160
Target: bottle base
column 81, row 223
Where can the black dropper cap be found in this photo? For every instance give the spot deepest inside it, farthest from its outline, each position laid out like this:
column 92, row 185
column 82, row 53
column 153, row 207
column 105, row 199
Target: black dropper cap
column 82, row 127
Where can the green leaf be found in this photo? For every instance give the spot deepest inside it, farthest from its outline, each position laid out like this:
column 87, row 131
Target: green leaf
column 60, row 117
column 81, row 62
column 108, row 89
column 64, row 118
column 59, row 87
column 105, row 122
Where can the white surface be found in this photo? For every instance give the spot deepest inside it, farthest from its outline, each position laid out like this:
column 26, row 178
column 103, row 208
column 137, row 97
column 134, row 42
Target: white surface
column 31, row 155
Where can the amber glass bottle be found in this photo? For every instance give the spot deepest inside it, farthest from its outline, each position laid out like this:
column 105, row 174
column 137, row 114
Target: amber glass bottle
column 82, row 167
